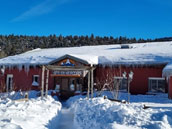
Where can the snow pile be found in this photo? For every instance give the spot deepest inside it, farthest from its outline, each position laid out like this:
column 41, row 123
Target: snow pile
column 20, row 94
column 167, row 71
column 73, row 99
column 100, row 113
column 156, row 98
column 32, row 114
column 145, row 53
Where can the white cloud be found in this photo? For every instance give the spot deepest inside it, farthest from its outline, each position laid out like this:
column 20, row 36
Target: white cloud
column 45, row 7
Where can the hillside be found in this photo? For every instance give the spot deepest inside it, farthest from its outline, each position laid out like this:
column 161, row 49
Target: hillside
column 16, row 44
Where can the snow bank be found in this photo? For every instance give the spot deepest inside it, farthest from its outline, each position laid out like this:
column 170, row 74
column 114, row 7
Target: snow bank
column 167, row 71
column 158, row 98
column 104, row 114
column 32, row 114
column 73, row 99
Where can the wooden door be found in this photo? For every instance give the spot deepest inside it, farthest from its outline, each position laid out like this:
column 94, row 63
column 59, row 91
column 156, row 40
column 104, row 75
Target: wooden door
column 64, row 85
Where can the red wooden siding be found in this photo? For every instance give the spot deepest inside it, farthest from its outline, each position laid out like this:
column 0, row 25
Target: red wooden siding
column 139, row 85
column 23, row 80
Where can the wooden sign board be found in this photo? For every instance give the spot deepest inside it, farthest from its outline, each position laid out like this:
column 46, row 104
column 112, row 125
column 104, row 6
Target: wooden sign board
column 69, row 73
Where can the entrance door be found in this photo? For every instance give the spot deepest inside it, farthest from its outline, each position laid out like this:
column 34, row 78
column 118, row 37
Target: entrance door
column 9, row 82
column 64, row 87
column 64, row 90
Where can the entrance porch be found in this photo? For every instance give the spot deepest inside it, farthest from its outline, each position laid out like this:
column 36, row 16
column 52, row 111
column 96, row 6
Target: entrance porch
column 71, row 76
column 72, row 80
column 69, row 86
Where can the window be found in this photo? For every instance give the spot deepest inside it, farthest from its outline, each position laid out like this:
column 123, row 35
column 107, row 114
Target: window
column 72, row 84
column 78, row 85
column 156, row 84
column 57, row 88
column 35, row 81
column 120, row 82
column 123, row 85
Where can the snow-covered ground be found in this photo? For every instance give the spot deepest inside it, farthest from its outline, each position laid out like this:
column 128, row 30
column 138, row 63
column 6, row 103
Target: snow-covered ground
column 36, row 113
column 96, row 113
column 100, row 113
column 66, row 118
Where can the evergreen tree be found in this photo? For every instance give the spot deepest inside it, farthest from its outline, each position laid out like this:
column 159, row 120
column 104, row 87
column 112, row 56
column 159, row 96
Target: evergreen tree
column 16, row 44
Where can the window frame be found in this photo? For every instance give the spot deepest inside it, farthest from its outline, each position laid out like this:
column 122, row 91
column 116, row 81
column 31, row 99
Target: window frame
column 9, row 87
column 34, row 82
column 157, row 89
column 121, row 85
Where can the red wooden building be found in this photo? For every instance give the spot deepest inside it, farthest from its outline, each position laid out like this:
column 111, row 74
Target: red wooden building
column 72, row 71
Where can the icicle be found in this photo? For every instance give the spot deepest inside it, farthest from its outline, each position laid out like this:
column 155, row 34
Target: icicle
column 27, row 68
column 20, row 67
column 10, row 67
column 2, row 69
column 34, row 66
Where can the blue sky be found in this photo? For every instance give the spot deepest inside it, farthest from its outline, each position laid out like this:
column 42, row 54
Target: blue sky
column 131, row 18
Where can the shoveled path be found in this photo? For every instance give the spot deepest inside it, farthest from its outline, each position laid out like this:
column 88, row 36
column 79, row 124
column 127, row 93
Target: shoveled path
column 66, row 119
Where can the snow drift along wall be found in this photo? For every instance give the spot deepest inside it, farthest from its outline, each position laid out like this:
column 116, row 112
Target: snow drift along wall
column 170, row 88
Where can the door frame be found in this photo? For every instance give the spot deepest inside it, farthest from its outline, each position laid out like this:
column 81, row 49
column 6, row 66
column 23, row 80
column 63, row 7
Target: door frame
column 9, row 87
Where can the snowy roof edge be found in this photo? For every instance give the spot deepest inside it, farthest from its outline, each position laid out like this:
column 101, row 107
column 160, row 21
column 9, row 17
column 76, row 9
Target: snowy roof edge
column 71, row 57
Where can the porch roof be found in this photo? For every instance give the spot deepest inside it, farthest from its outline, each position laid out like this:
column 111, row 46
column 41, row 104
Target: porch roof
column 54, row 67
column 73, row 57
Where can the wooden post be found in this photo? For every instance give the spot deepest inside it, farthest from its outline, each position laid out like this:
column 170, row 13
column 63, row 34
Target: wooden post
column 128, row 90
column 46, row 92
column 92, row 82
column 81, row 85
column 80, row 88
column 42, row 88
column 88, row 92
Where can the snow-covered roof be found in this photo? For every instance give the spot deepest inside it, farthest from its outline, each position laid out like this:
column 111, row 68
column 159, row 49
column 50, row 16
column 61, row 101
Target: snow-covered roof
column 167, row 71
column 139, row 53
